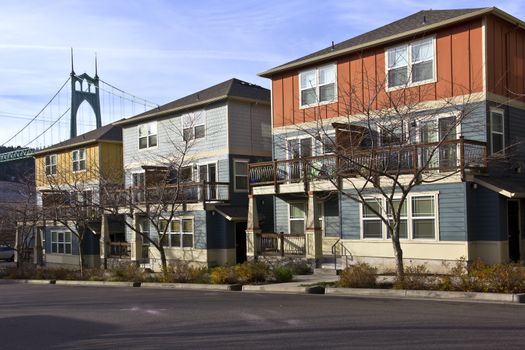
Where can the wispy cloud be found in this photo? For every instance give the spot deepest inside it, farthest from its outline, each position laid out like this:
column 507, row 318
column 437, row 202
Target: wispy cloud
column 162, row 50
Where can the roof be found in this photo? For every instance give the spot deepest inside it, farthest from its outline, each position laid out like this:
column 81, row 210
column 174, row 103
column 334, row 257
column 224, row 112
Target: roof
column 508, row 186
column 233, row 88
column 416, row 23
column 108, row 132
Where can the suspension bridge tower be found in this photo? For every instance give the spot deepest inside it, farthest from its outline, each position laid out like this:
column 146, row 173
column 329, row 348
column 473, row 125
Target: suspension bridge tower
column 84, row 88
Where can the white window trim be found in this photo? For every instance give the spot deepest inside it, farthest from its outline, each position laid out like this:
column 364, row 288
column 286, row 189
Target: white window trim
column 203, row 111
column 317, row 69
column 51, row 164
column 79, row 160
column 137, row 172
column 296, row 219
column 409, row 218
column 502, row 133
column 320, row 151
column 235, row 189
column 70, row 243
column 147, row 137
column 169, row 232
column 409, row 65
column 302, row 137
column 198, row 175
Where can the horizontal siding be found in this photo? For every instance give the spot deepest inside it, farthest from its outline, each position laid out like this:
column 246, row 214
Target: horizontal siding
column 487, row 215
column 250, row 132
column 170, row 140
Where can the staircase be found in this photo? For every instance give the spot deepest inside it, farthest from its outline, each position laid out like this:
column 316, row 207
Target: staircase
column 331, row 265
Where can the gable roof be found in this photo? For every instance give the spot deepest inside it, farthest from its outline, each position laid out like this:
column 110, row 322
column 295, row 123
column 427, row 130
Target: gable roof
column 416, row 23
column 108, row 132
column 233, row 88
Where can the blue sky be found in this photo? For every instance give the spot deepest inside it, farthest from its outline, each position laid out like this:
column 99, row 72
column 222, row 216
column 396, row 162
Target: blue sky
column 163, row 50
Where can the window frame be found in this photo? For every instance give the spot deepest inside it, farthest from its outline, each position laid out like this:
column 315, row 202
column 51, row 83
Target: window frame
column 79, row 161
column 290, row 219
column 147, row 137
column 317, row 86
column 194, row 126
column 408, row 46
column 52, row 165
column 235, row 175
column 181, row 232
column 409, row 218
column 501, row 112
column 56, row 242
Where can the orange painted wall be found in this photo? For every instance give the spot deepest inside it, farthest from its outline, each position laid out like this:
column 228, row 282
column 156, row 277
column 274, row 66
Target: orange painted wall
column 361, row 78
column 505, row 59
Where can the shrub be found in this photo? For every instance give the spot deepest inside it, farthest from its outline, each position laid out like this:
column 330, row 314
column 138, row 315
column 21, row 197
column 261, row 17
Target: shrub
column 416, row 277
column 128, row 273
column 282, row 274
column 300, row 267
column 183, row 272
column 252, row 272
column 223, row 275
column 360, row 275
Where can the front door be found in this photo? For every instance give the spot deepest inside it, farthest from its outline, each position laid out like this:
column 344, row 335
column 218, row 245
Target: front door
column 513, row 217
column 240, row 242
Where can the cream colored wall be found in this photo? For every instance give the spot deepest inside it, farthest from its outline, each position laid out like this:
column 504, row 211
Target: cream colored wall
column 491, row 252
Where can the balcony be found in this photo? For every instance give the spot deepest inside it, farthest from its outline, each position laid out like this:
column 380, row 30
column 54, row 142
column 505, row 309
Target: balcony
column 280, row 244
column 191, row 192
column 463, row 156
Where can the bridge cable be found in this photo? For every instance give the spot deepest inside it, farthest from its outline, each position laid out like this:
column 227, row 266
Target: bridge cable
column 36, row 116
column 43, row 132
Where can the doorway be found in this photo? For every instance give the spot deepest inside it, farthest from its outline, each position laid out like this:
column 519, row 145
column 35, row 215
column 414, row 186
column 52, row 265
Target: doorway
column 513, row 224
column 240, row 242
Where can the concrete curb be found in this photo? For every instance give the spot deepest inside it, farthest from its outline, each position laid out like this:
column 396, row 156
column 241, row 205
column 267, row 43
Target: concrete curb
column 278, row 288
column 27, row 281
column 192, row 286
column 428, row 294
column 97, row 283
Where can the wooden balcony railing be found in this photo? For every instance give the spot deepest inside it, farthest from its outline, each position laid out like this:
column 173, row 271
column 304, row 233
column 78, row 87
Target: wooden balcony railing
column 120, row 250
column 454, row 155
column 192, row 192
column 280, row 244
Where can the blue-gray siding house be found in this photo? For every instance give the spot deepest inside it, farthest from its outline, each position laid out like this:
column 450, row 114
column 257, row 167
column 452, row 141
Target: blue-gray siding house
column 204, row 141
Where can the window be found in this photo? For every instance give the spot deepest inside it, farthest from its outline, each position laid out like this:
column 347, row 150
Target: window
column 138, row 181
column 61, row 242
column 240, row 173
column 411, row 63
column 318, row 85
column 497, row 134
column 193, row 125
column 148, row 135
column 403, row 230
column 423, row 218
column 418, row 217
column 297, row 217
column 179, row 233
column 79, row 160
column 51, row 164
column 372, row 225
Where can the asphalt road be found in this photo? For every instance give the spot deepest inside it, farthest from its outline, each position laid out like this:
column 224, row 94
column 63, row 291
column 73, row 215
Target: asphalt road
column 55, row 317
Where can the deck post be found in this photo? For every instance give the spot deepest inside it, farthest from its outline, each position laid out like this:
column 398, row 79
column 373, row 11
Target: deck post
column 38, row 258
column 314, row 244
column 136, row 241
column 252, row 228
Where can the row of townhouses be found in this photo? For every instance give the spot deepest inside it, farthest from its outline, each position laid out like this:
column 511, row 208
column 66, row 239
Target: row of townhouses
column 430, row 107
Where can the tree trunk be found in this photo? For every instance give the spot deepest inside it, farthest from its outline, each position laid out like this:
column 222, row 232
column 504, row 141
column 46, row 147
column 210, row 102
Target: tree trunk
column 163, row 259
column 81, row 257
column 398, row 253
